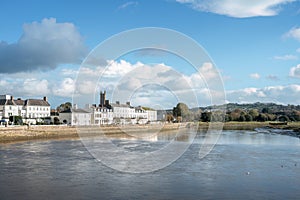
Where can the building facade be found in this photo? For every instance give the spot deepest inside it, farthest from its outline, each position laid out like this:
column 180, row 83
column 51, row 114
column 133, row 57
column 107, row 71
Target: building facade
column 75, row 117
column 31, row 110
column 116, row 113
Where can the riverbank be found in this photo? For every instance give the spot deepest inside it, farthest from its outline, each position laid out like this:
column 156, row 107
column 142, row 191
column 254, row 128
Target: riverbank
column 24, row 133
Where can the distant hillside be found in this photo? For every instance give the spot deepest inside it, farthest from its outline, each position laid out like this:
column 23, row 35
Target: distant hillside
column 272, row 107
column 236, row 112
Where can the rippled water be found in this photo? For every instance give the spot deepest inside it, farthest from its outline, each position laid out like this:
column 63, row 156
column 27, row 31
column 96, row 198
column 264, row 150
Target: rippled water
column 243, row 165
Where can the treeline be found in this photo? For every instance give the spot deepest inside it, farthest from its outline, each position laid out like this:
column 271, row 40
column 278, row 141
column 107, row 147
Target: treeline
column 235, row 112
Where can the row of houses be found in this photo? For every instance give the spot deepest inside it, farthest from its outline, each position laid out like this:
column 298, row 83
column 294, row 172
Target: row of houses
column 105, row 113
column 31, row 110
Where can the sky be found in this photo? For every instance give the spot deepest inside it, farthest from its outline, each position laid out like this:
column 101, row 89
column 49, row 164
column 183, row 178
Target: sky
column 250, row 50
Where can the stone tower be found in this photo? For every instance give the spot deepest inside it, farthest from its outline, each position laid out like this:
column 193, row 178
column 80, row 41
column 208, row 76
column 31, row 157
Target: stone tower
column 102, row 98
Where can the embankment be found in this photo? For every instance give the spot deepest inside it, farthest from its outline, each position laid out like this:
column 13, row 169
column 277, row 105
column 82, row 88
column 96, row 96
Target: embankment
column 23, row 133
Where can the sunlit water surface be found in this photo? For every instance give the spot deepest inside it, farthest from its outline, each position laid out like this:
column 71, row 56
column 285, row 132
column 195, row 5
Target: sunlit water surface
column 243, row 165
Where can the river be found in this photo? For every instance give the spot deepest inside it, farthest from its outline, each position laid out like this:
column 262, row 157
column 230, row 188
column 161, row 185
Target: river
column 242, row 165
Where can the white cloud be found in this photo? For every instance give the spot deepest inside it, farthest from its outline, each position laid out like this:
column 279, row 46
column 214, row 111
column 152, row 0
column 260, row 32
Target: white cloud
column 32, row 87
column 293, row 33
column 289, row 94
column 43, row 46
column 238, row 8
column 65, row 88
column 147, row 85
column 255, row 76
column 127, row 4
column 25, row 87
column 116, row 69
column 295, row 71
column 208, row 71
column 286, row 57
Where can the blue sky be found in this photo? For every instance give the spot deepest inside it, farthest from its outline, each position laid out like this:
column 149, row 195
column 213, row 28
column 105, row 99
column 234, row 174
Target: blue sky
column 254, row 44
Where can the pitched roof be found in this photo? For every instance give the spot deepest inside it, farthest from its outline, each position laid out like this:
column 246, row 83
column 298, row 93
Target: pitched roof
column 121, row 105
column 36, row 102
column 20, row 102
column 74, row 111
column 7, row 102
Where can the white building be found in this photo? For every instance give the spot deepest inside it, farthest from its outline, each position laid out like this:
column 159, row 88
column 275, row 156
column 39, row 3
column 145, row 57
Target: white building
column 101, row 115
column 117, row 113
column 31, row 110
column 75, row 117
column 152, row 115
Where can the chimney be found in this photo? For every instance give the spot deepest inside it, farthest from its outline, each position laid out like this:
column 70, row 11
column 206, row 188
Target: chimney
column 45, row 98
column 118, row 102
column 106, row 102
column 11, row 98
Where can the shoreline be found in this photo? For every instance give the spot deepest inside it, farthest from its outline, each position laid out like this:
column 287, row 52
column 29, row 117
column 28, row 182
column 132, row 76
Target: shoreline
column 52, row 132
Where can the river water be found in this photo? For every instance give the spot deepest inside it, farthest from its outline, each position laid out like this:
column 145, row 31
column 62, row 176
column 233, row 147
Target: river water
column 243, row 165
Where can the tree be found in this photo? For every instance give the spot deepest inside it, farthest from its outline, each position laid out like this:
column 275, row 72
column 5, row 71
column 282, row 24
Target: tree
column 16, row 120
column 181, row 110
column 235, row 115
column 206, row 116
column 262, row 117
column 296, row 115
column 169, row 118
column 56, row 120
column 265, row 110
column 283, row 118
column 64, row 106
column 242, row 118
column 248, row 118
column 254, row 113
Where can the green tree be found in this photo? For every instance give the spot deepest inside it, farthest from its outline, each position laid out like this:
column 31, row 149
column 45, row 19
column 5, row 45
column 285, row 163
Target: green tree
column 56, row 120
column 296, row 115
column 262, row 117
column 64, row 106
column 242, row 118
column 182, row 110
column 16, row 120
column 283, row 118
column 254, row 113
column 206, row 116
column 248, row 118
column 266, row 110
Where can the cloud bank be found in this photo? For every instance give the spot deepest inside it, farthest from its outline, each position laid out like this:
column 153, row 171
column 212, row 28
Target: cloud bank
column 42, row 46
column 165, row 85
